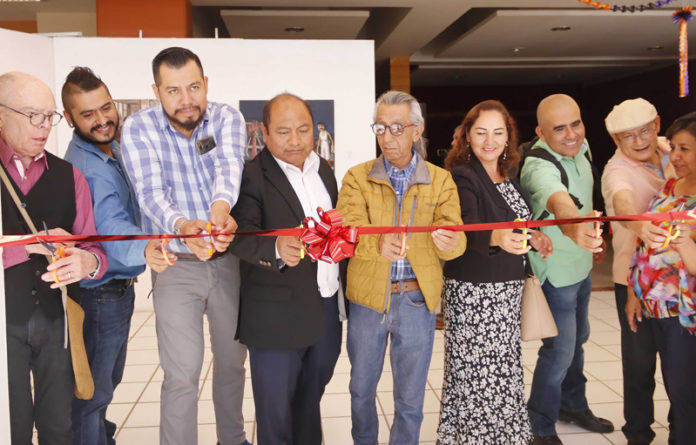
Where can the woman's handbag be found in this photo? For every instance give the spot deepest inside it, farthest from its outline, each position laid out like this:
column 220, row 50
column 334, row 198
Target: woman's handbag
column 537, row 319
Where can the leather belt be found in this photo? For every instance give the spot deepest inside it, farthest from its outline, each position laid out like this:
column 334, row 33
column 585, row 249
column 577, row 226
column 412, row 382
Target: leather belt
column 192, row 257
column 409, row 285
column 122, row 282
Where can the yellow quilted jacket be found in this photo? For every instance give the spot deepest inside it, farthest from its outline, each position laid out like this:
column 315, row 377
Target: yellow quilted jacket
column 367, row 198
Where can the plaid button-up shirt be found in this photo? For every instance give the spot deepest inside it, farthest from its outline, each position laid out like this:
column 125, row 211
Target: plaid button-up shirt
column 400, row 179
column 172, row 179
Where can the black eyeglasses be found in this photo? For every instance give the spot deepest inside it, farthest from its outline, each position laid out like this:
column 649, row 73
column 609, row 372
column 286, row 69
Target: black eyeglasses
column 394, row 129
column 37, row 119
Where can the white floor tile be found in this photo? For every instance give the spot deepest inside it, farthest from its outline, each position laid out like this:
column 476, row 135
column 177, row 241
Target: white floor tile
column 149, row 435
column 335, row 405
column 144, row 414
column 128, row 392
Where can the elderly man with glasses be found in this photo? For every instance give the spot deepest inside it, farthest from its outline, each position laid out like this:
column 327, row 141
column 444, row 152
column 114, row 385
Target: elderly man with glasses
column 635, row 173
column 394, row 281
column 55, row 194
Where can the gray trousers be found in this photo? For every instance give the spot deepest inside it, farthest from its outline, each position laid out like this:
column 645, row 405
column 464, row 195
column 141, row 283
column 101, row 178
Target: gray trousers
column 182, row 294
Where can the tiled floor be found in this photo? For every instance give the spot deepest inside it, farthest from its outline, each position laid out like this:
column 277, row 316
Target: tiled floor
column 136, row 403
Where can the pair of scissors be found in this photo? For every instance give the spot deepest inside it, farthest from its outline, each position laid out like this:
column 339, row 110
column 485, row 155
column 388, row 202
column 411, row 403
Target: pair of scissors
column 56, row 252
column 525, row 230
column 672, row 231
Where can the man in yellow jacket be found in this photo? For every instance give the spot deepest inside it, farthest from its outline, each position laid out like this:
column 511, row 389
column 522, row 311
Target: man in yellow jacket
column 394, row 282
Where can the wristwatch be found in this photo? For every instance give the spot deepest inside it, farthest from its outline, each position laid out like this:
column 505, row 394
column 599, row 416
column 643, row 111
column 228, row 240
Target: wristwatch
column 179, row 224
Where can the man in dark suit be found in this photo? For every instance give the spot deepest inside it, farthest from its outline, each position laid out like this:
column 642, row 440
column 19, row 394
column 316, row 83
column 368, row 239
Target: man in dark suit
column 289, row 311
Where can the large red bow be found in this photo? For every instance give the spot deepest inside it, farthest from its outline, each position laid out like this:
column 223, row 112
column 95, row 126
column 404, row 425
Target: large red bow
column 327, row 239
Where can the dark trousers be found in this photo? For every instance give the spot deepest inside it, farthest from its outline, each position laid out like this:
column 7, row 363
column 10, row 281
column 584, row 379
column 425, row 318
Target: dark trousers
column 638, row 358
column 288, row 385
column 37, row 348
column 108, row 310
column 677, row 348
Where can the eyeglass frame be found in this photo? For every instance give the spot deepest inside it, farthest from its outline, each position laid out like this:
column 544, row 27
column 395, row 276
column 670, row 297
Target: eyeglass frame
column 391, row 129
column 45, row 116
column 631, row 138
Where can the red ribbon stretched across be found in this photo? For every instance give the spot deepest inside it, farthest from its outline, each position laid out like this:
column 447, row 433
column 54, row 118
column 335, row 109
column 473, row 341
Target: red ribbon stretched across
column 353, row 232
column 327, row 239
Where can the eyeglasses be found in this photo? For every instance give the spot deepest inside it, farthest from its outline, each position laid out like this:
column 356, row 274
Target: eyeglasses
column 630, row 138
column 394, row 129
column 37, row 119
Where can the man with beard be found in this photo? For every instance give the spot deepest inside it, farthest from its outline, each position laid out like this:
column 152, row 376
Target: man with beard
column 185, row 158
column 108, row 301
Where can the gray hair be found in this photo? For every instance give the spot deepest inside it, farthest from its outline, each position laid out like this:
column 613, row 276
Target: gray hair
column 393, row 97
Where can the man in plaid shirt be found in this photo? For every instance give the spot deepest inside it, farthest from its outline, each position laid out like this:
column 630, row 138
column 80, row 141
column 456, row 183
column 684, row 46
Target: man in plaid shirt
column 185, row 159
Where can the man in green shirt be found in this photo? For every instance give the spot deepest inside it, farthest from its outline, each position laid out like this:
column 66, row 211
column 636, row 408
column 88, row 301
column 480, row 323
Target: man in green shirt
column 558, row 388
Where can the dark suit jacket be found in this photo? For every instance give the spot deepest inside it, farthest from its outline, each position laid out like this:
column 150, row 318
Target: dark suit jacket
column 481, row 202
column 279, row 308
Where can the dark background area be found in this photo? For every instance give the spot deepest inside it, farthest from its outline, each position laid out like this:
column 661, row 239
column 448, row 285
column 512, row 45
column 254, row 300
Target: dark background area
column 446, row 106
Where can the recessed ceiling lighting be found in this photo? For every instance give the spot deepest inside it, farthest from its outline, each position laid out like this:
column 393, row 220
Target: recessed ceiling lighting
column 655, row 47
column 560, row 28
column 294, row 29
column 518, row 49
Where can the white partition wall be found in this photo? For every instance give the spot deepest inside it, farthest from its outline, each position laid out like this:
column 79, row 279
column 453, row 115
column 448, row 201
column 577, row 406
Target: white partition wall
column 339, row 70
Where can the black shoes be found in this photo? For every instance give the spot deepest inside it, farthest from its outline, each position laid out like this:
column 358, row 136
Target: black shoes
column 546, row 440
column 637, row 442
column 587, row 420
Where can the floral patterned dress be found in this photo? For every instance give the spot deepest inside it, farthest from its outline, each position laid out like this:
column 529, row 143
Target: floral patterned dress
column 483, row 400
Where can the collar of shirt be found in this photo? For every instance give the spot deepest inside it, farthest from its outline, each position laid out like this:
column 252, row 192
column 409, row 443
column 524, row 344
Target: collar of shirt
column 165, row 123
column 90, row 147
column 407, row 171
column 311, row 165
column 7, row 155
column 664, row 161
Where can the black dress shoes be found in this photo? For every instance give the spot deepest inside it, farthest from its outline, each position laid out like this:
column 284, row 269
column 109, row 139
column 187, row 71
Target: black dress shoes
column 546, row 440
column 587, row 420
column 637, row 442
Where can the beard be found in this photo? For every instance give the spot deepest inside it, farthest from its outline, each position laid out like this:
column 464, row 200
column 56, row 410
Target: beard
column 91, row 139
column 188, row 125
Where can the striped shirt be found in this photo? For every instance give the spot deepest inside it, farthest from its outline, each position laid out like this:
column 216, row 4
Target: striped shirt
column 400, row 180
column 171, row 178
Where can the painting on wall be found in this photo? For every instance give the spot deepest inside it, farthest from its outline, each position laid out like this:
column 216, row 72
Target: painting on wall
column 323, row 112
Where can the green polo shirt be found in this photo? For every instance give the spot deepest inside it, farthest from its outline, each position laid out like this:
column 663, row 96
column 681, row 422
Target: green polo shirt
column 569, row 264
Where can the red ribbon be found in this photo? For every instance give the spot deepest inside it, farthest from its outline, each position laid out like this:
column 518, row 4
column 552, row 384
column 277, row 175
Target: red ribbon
column 327, row 239
column 332, row 240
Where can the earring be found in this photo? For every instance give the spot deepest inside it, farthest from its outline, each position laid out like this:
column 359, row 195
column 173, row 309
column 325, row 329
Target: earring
column 506, row 144
column 504, row 155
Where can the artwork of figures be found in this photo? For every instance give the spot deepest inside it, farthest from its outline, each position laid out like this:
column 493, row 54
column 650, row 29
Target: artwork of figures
column 323, row 112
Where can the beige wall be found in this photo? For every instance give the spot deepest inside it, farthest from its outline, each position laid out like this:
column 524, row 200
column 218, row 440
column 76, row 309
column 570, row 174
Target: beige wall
column 84, row 22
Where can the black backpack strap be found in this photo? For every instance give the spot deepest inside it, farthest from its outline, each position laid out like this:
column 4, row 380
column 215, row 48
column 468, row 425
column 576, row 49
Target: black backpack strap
column 546, row 156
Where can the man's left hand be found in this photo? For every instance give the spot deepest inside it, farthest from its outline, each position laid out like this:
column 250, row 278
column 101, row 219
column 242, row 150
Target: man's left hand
column 445, row 240
column 223, row 223
column 76, row 265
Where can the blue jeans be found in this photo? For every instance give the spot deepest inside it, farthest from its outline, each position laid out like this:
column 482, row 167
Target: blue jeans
column 558, row 381
column 108, row 310
column 412, row 328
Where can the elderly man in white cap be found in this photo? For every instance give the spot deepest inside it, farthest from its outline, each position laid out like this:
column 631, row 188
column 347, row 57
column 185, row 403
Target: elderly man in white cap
column 631, row 178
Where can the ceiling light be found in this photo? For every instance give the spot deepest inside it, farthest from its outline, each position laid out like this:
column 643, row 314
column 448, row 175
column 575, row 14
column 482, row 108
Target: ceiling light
column 655, row 47
column 518, row 49
column 294, row 29
column 560, row 28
